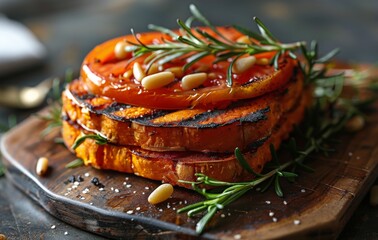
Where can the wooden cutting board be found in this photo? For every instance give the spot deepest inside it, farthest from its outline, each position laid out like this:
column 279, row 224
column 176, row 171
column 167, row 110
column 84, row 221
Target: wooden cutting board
column 322, row 201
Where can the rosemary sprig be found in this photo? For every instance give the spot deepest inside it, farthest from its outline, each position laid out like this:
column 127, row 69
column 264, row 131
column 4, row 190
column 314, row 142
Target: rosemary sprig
column 232, row 191
column 53, row 117
column 193, row 44
column 100, row 140
column 190, row 47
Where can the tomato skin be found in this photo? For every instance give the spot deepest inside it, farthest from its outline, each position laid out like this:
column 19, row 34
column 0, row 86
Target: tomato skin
column 101, row 73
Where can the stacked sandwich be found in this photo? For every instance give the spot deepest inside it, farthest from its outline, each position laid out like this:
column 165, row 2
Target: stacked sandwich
column 168, row 120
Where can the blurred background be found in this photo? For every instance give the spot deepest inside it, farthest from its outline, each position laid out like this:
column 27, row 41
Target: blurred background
column 42, row 39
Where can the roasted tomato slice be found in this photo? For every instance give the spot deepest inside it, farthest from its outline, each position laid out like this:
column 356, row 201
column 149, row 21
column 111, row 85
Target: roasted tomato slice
column 106, row 75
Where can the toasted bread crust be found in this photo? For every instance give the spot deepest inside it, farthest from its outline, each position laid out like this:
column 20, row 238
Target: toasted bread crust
column 173, row 166
column 184, row 130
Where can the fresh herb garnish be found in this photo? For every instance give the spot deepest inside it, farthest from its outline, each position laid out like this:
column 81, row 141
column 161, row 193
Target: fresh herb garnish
column 315, row 132
column 75, row 163
column 54, row 115
column 194, row 44
column 53, row 118
column 100, row 140
column 217, row 201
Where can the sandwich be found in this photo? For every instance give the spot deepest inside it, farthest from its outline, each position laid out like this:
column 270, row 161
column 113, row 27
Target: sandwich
column 153, row 105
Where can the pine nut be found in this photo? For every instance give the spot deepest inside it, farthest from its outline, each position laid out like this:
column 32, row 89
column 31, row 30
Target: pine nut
column 161, row 193
column 120, row 50
column 177, row 71
column 157, row 80
column 243, row 64
column 3, row 237
column 153, row 69
column 262, row 61
column 355, row 124
column 42, row 166
column 127, row 74
column 374, row 196
column 193, row 80
column 243, row 39
column 212, row 75
column 138, row 72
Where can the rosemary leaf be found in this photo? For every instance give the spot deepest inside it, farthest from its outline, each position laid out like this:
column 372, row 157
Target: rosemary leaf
column 229, row 71
column 265, row 31
column 203, row 222
column 189, row 33
column 328, row 56
column 75, row 163
column 193, row 59
column 239, row 156
column 249, row 33
column 163, row 30
column 287, row 174
column 98, row 139
column 277, row 186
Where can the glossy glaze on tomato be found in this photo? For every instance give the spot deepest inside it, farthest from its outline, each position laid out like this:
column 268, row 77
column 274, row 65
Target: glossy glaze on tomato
column 103, row 73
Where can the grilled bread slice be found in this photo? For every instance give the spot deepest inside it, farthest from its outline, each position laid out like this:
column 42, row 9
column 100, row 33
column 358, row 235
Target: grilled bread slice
column 243, row 122
column 182, row 165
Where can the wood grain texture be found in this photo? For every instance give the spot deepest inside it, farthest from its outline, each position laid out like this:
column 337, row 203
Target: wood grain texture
column 323, row 201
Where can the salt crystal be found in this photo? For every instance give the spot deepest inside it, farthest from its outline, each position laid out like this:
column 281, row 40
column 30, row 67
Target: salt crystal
column 237, row 236
column 297, row 222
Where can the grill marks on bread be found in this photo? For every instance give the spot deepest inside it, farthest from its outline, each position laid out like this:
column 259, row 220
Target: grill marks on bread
column 174, row 165
column 217, row 130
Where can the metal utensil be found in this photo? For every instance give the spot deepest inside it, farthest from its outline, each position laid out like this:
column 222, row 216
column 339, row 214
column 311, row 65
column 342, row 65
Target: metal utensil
column 25, row 97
